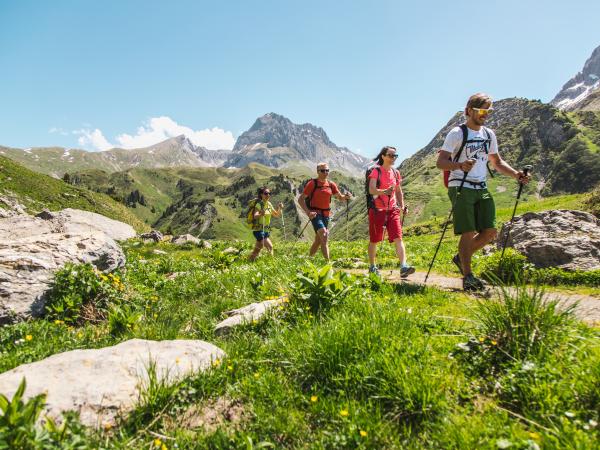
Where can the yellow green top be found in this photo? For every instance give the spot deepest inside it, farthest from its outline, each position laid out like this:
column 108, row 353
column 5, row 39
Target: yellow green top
column 263, row 221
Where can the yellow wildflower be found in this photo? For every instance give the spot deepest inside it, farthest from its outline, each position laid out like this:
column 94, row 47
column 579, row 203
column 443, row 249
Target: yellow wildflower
column 177, row 360
column 157, row 442
column 534, row 435
column 494, row 342
column 230, row 367
column 28, row 337
column 256, row 375
column 80, row 335
column 314, row 398
column 344, row 413
column 164, row 447
column 216, row 362
column 363, row 433
column 481, row 339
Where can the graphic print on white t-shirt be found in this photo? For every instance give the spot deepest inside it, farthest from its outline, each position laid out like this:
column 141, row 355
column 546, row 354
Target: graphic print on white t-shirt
column 474, row 149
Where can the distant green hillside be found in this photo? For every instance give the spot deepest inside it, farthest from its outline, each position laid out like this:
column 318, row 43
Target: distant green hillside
column 210, row 202
column 36, row 192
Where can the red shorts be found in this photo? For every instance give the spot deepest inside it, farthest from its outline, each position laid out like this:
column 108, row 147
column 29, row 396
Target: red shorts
column 377, row 218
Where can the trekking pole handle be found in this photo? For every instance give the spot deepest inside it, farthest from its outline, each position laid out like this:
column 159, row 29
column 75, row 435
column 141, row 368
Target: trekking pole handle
column 526, row 170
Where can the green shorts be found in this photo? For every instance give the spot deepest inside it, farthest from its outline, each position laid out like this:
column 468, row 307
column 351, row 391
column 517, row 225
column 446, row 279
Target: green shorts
column 474, row 210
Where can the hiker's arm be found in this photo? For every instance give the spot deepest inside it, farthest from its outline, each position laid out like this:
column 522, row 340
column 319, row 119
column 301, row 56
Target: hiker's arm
column 344, row 197
column 444, row 162
column 400, row 197
column 277, row 212
column 504, row 168
column 302, row 203
column 374, row 191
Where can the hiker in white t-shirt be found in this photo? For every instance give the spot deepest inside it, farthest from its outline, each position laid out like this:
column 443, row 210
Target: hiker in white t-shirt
column 474, row 209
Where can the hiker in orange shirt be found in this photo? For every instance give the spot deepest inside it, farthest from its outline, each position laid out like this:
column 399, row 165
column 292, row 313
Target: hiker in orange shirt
column 315, row 200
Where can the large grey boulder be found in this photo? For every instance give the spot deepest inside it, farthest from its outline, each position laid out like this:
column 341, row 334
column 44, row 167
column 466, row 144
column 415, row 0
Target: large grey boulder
column 77, row 221
column 566, row 239
column 102, row 383
column 33, row 248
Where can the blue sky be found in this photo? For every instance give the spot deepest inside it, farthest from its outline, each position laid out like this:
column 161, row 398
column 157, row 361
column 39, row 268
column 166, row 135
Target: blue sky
column 90, row 75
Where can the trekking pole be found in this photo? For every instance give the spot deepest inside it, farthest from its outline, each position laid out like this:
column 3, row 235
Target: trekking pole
column 526, row 170
column 347, row 217
column 462, row 182
column 299, row 235
column 283, row 224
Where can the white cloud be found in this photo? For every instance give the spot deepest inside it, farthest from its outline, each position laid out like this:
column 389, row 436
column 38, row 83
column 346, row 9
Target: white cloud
column 93, row 138
column 158, row 129
column 60, row 131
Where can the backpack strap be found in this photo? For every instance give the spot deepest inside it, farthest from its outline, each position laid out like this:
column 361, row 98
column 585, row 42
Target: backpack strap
column 465, row 135
column 488, row 143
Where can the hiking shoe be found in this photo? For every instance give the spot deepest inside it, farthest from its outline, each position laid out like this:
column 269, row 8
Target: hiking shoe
column 456, row 260
column 472, row 283
column 375, row 270
column 406, row 270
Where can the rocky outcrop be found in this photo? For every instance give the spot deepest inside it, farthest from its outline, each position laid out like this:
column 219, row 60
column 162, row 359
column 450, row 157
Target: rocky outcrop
column 247, row 314
column 73, row 221
column 578, row 89
column 10, row 206
column 33, row 248
column 184, row 239
column 152, row 236
column 103, row 383
column 566, row 239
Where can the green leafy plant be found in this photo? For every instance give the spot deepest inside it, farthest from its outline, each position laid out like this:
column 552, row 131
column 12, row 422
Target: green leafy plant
column 122, row 319
column 18, row 419
column 510, row 268
column 317, row 289
column 81, row 292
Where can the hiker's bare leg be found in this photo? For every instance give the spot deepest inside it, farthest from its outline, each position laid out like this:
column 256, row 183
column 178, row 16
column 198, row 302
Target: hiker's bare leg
column 323, row 234
column 315, row 245
column 269, row 246
column 470, row 242
column 400, row 250
column 256, row 251
column 372, row 253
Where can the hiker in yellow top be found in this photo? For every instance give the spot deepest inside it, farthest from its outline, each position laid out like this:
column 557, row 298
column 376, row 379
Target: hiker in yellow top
column 261, row 221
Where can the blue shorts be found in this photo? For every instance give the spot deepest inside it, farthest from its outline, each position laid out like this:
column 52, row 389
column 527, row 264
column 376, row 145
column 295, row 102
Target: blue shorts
column 320, row 221
column 260, row 235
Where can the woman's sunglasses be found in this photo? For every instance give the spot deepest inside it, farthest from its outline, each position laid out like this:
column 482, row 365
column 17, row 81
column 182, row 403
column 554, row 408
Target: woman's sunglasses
column 324, row 170
column 393, row 156
column 266, row 193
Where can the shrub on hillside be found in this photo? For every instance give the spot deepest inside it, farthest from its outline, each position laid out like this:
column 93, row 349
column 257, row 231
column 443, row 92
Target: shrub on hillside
column 316, row 290
column 512, row 267
column 81, row 292
column 522, row 326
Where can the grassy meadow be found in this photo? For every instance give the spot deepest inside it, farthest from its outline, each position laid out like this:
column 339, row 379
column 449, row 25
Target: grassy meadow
column 350, row 363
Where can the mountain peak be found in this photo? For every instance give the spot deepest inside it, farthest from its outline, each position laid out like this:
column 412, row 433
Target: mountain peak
column 581, row 86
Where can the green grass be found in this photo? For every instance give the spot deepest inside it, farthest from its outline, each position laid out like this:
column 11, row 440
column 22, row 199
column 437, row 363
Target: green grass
column 379, row 368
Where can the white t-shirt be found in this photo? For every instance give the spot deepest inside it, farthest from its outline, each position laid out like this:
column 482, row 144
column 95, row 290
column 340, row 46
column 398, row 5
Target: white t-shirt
column 474, row 149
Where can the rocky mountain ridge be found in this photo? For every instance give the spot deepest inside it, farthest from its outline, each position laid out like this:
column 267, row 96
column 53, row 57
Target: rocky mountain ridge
column 273, row 141
column 578, row 89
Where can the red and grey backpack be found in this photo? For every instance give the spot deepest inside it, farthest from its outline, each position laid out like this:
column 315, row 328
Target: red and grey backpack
column 465, row 141
column 370, row 199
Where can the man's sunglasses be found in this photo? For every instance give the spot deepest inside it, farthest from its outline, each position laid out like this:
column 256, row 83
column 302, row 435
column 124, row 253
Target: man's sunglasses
column 393, row 156
column 483, row 112
column 324, row 170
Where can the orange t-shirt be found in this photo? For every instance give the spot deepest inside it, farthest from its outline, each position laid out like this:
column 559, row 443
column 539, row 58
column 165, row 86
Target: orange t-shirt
column 321, row 197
